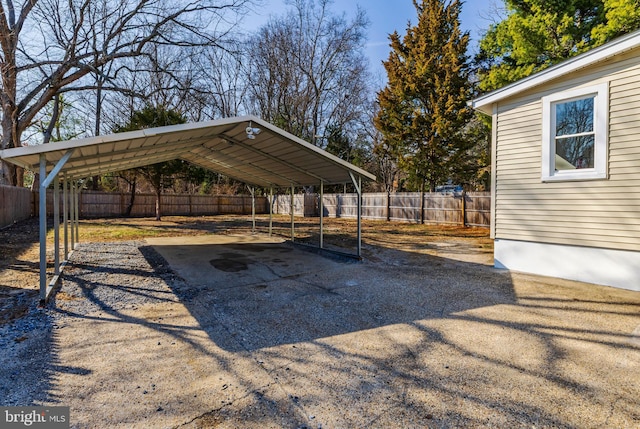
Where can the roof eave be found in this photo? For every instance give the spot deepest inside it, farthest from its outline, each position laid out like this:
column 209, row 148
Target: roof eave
column 339, row 161
column 28, row 156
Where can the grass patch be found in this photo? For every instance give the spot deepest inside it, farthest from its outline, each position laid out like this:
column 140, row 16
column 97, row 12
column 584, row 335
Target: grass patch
column 339, row 230
column 110, row 231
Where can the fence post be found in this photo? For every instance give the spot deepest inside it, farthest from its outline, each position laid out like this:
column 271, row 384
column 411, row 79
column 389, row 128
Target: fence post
column 271, row 203
column 56, row 224
column 321, row 210
column 463, row 204
column 65, row 216
column 422, row 204
column 292, row 212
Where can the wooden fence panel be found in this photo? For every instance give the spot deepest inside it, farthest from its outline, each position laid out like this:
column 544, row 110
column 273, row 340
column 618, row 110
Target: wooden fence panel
column 15, row 204
column 446, row 209
column 144, row 205
column 442, row 209
column 478, row 209
column 98, row 204
column 204, row 205
column 104, row 204
column 232, row 204
column 311, row 207
column 374, row 206
column 177, row 205
column 282, row 204
column 340, row 205
column 405, row 207
column 20, row 203
column 331, row 205
column 349, row 205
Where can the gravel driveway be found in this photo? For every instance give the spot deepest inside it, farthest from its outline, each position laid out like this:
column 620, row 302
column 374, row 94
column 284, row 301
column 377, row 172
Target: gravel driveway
column 403, row 339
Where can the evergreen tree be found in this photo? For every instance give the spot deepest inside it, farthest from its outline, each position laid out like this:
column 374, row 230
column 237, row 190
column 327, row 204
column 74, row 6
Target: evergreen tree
column 355, row 151
column 621, row 16
column 423, row 110
column 158, row 175
column 539, row 33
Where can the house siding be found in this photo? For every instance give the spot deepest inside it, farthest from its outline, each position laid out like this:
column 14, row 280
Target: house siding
column 594, row 213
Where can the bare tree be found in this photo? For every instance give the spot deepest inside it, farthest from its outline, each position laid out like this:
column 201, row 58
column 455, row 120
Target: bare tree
column 49, row 47
column 308, row 71
column 202, row 82
column 225, row 73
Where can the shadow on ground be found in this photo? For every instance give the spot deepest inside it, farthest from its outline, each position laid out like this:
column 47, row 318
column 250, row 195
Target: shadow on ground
column 28, row 350
column 240, row 332
column 460, row 342
column 269, row 294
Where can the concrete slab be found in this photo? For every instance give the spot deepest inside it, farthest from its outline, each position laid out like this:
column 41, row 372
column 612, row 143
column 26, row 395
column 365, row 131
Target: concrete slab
column 409, row 340
column 218, row 262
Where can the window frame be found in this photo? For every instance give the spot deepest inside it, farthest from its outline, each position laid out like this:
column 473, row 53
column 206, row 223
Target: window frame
column 600, row 93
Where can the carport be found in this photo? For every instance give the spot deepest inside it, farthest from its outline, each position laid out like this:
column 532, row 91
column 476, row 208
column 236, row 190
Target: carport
column 247, row 149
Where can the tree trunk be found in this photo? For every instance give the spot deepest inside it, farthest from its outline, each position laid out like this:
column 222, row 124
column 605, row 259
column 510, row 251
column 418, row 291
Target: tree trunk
column 35, row 186
column 132, row 197
column 96, row 132
column 8, row 176
column 19, row 176
column 9, row 171
column 95, row 180
column 158, row 195
column 388, row 206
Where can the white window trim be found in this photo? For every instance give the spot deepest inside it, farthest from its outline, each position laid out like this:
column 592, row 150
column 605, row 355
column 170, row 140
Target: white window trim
column 601, row 125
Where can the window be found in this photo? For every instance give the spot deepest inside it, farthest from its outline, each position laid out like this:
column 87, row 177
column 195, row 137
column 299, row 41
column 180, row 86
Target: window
column 574, row 134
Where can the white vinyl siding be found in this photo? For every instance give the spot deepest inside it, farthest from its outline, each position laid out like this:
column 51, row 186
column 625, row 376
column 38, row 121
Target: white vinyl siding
column 602, row 213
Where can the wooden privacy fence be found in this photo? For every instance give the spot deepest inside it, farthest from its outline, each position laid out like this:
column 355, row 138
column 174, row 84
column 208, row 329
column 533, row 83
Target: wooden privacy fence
column 94, row 204
column 472, row 208
column 100, row 204
column 303, row 205
column 15, row 204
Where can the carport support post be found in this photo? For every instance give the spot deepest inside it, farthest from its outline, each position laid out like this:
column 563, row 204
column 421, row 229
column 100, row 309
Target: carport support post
column 65, row 216
column 72, row 215
column 77, row 211
column 359, row 216
column 56, row 224
column 292, row 209
column 43, row 229
column 252, row 191
column 321, row 208
column 357, row 183
column 270, row 210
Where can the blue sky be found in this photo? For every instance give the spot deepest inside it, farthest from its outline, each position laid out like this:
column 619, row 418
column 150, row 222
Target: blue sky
column 386, row 16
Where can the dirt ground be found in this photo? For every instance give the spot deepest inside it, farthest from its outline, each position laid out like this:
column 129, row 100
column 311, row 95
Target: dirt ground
column 234, row 330
column 19, row 248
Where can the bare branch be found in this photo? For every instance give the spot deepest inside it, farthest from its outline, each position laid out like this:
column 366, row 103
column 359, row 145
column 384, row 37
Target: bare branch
column 72, row 40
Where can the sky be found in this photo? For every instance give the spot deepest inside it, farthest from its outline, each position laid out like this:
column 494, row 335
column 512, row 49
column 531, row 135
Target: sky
column 387, row 16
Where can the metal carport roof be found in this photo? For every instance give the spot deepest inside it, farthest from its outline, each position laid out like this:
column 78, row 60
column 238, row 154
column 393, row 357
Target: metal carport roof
column 272, row 158
column 246, row 148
